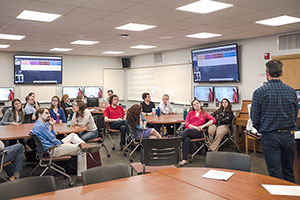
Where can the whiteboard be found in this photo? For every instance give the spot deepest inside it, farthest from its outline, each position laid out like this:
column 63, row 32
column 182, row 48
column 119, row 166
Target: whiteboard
column 43, row 93
column 175, row 80
column 114, row 80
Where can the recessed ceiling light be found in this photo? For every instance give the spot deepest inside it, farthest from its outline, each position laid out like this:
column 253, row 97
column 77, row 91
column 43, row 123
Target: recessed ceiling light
column 142, row 47
column 278, row 21
column 38, row 16
column 11, row 37
column 204, row 6
column 84, row 42
column 166, row 37
column 60, row 49
column 113, row 52
column 3, row 46
column 135, row 27
column 204, row 35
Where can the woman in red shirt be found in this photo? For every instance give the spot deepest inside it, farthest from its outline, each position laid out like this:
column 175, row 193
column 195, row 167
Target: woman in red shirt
column 195, row 123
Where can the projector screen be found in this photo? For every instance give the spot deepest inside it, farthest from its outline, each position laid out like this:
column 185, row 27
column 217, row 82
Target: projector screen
column 37, row 69
column 6, row 93
column 94, row 91
column 216, row 64
column 229, row 92
column 204, row 93
column 72, row 91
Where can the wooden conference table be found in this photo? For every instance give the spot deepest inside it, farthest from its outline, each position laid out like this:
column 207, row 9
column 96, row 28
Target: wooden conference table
column 174, row 183
column 10, row 132
column 165, row 119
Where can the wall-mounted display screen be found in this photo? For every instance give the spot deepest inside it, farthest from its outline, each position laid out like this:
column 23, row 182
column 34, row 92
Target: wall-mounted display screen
column 216, row 64
column 6, row 93
column 204, row 93
column 95, row 91
column 37, row 69
column 229, row 92
column 72, row 91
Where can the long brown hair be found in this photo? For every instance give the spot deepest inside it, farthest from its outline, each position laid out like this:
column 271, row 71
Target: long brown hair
column 133, row 115
column 58, row 105
column 193, row 109
column 14, row 110
column 221, row 109
column 82, row 107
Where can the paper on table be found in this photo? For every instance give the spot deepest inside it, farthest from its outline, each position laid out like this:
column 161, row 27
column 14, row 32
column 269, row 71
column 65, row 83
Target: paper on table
column 297, row 134
column 218, row 175
column 289, row 190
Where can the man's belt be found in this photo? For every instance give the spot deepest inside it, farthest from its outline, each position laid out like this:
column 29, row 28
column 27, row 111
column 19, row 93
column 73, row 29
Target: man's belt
column 285, row 131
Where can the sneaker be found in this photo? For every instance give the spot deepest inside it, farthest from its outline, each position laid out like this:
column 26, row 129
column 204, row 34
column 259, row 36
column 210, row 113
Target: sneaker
column 183, row 162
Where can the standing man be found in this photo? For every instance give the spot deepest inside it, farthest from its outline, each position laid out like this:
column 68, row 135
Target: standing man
column 274, row 113
column 115, row 116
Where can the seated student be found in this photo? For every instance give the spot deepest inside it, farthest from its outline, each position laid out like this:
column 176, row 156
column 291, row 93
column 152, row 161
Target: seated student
column 29, row 108
column 66, row 105
column 36, row 104
column 115, row 116
column 70, row 145
column 147, row 104
column 195, row 123
column 109, row 94
column 137, row 122
column 13, row 115
column 223, row 116
column 55, row 110
column 14, row 153
column 83, row 117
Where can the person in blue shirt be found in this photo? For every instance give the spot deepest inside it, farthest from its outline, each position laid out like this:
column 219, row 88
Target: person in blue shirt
column 56, row 110
column 70, row 145
column 137, row 123
column 274, row 111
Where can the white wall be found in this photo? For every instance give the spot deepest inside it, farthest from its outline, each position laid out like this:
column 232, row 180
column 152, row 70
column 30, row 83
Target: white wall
column 251, row 56
column 77, row 71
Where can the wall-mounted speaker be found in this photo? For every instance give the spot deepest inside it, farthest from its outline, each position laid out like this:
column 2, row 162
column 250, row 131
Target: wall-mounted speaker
column 125, row 62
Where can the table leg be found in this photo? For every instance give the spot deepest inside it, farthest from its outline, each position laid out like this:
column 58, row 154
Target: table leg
column 254, row 146
column 246, row 144
column 237, row 136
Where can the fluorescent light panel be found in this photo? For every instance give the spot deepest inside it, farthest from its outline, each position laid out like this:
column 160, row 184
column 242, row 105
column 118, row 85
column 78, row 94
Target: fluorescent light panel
column 60, row 49
column 204, row 35
column 38, row 16
column 135, row 27
column 3, row 46
column 278, row 21
column 142, row 47
column 11, row 37
column 204, row 6
column 113, row 52
column 85, row 42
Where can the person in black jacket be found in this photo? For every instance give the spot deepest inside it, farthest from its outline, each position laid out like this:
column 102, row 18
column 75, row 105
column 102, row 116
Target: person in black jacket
column 223, row 116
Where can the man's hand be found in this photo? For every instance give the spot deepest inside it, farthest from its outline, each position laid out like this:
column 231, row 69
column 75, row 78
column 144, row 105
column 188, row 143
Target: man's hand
column 51, row 121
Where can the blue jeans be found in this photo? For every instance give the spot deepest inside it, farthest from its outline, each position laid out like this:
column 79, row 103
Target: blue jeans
column 279, row 153
column 87, row 135
column 15, row 153
column 123, row 127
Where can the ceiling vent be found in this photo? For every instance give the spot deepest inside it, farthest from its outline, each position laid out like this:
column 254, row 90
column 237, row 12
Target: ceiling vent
column 289, row 41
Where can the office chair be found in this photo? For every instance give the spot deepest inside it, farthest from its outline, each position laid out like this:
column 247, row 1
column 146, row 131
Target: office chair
column 27, row 186
column 104, row 173
column 48, row 161
column 200, row 143
column 230, row 137
column 157, row 154
column 228, row 160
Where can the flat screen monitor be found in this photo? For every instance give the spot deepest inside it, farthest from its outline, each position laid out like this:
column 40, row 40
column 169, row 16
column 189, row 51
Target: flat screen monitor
column 228, row 92
column 72, row 91
column 216, row 64
column 95, row 91
column 6, row 93
column 298, row 97
column 204, row 93
column 37, row 69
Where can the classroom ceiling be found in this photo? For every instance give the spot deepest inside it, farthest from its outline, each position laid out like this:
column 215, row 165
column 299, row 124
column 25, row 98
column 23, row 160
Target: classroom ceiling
column 96, row 20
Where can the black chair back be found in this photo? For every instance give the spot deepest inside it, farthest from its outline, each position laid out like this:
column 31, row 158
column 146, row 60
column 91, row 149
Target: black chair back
column 104, row 173
column 158, row 152
column 99, row 121
column 27, row 186
column 228, row 160
column 39, row 146
column 28, row 118
column 92, row 101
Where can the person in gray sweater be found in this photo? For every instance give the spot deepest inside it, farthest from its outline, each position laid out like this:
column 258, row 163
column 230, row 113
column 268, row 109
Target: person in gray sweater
column 13, row 115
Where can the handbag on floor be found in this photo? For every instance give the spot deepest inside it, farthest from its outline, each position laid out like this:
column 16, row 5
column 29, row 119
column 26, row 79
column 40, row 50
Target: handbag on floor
column 93, row 159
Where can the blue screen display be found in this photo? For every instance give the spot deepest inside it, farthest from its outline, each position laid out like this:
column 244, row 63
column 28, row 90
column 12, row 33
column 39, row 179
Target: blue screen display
column 216, row 64
column 37, row 69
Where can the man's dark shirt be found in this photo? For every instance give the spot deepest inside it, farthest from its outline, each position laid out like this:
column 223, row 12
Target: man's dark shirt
column 147, row 108
column 274, row 107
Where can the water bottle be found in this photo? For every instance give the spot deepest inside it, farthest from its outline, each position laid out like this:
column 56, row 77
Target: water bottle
column 153, row 112
column 158, row 111
column 57, row 118
column 184, row 112
column 69, row 120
